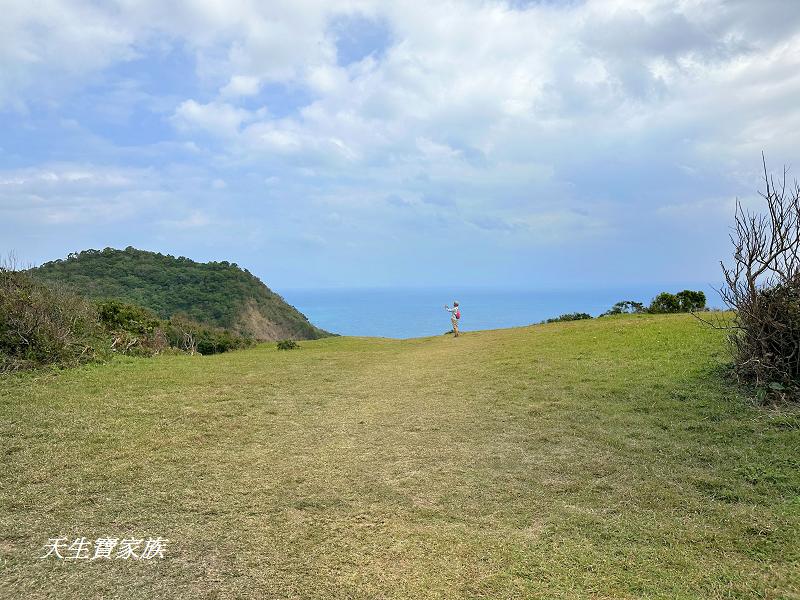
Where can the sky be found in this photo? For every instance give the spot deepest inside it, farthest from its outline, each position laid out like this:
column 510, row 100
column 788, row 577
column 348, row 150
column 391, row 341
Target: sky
column 390, row 144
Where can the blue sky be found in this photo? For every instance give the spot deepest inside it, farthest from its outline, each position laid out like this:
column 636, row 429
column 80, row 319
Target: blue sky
column 355, row 143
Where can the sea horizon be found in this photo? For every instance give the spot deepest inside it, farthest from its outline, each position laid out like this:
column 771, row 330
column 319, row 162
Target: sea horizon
column 409, row 312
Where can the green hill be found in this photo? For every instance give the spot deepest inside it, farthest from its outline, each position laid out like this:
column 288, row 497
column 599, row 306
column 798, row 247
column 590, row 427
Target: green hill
column 606, row 458
column 216, row 293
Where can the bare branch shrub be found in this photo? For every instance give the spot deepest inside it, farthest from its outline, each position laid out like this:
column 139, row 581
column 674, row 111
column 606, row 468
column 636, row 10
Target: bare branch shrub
column 182, row 333
column 762, row 287
column 134, row 330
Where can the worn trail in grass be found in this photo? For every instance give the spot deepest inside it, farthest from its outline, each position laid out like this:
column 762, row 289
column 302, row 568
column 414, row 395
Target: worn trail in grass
column 604, row 459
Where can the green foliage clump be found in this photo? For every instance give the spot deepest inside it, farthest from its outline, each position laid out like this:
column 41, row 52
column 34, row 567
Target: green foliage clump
column 41, row 325
column 625, row 307
column 116, row 315
column 219, row 294
column 287, row 345
column 665, row 302
column 684, row 301
column 44, row 325
column 691, row 301
column 577, row 316
column 190, row 336
column 134, row 330
column 137, row 330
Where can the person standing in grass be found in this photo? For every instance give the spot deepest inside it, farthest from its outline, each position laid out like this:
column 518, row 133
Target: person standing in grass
column 455, row 315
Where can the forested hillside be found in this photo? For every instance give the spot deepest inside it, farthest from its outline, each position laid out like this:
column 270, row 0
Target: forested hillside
column 217, row 293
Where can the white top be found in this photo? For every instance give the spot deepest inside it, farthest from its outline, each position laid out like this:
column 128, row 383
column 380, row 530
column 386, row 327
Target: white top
column 453, row 311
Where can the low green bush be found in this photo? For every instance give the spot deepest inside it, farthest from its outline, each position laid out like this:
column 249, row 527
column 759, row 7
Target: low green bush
column 134, row 330
column 122, row 316
column 287, row 345
column 42, row 325
column 624, row 307
column 191, row 336
column 569, row 317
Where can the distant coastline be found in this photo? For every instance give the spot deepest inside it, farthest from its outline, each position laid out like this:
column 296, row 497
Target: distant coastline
column 418, row 312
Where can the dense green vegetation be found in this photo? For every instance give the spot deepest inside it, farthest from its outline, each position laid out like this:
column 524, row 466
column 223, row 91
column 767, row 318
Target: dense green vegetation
column 663, row 303
column 577, row 316
column 286, row 345
column 684, row 301
column 216, row 293
column 139, row 331
column 49, row 324
column 44, row 325
column 605, row 458
column 625, row 307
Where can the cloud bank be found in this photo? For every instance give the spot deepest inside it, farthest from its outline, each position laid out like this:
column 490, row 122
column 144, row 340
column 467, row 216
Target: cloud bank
column 368, row 143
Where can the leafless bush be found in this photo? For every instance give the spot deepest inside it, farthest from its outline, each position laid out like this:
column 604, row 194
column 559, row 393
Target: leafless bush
column 762, row 287
column 184, row 334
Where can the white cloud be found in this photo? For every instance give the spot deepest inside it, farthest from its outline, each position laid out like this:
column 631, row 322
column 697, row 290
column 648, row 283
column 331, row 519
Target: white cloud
column 216, row 117
column 539, row 121
column 193, row 220
column 48, row 46
column 476, row 73
column 63, row 175
column 241, row 85
column 77, row 193
column 507, row 85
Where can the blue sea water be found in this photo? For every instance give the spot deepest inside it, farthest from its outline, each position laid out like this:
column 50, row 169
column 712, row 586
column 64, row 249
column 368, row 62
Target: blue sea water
column 406, row 313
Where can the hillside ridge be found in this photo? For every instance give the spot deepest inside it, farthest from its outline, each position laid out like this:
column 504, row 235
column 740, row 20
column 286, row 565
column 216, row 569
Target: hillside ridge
column 217, row 293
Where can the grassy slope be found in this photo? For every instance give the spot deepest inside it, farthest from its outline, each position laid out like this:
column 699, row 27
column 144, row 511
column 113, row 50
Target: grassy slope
column 601, row 459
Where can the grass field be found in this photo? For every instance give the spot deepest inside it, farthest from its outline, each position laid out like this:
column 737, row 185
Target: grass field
column 596, row 459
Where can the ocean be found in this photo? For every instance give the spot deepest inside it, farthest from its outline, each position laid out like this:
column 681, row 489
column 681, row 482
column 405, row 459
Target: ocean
column 406, row 313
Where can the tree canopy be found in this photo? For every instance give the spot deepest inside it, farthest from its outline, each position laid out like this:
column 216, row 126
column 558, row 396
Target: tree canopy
column 217, row 293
